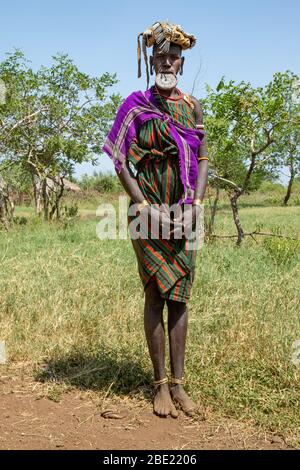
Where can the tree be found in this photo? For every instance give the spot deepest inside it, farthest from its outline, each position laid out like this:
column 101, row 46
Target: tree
column 292, row 161
column 286, row 149
column 52, row 119
column 242, row 124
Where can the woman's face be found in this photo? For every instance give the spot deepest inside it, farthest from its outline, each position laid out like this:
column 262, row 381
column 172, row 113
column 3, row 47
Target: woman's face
column 167, row 62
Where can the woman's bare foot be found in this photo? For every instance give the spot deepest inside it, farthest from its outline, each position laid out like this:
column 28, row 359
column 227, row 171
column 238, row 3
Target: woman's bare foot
column 180, row 396
column 163, row 405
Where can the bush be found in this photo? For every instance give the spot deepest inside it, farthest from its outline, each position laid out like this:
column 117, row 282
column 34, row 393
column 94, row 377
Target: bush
column 20, row 220
column 272, row 187
column 282, row 250
column 68, row 216
column 101, row 182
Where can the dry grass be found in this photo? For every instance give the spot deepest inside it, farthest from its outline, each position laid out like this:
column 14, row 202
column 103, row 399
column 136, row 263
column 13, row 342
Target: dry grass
column 75, row 303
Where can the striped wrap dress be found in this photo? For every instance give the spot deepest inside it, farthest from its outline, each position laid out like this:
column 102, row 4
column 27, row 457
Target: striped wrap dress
column 153, row 157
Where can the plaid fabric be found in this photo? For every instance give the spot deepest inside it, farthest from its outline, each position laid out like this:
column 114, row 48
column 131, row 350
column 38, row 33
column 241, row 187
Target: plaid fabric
column 136, row 110
column 154, row 154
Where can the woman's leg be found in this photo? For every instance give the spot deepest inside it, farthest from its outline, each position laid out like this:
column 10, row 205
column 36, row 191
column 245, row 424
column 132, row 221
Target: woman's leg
column 177, row 328
column 155, row 335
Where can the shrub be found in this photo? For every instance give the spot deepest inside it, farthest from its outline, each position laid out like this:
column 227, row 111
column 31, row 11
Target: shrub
column 20, row 220
column 101, row 182
column 282, row 250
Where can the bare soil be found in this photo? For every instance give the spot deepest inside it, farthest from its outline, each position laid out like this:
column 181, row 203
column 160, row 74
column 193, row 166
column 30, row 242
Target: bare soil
column 28, row 420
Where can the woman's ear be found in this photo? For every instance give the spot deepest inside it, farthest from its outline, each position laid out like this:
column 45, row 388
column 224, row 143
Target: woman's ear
column 151, row 64
column 181, row 66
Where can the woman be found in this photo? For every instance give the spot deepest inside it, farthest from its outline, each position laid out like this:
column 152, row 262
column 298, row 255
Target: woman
column 157, row 145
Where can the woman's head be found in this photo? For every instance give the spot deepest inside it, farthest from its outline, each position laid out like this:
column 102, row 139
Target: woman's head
column 167, row 62
column 168, row 41
column 166, row 65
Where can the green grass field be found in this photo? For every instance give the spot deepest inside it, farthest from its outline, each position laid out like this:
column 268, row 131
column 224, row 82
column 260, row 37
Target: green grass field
column 75, row 302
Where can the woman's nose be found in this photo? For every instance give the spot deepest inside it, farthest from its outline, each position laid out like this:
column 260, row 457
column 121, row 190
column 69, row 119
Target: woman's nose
column 167, row 62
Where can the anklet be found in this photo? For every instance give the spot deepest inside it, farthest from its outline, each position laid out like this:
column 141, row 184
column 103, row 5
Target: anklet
column 175, row 381
column 161, row 381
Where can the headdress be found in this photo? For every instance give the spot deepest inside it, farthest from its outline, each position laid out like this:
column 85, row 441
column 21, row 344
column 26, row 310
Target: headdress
column 162, row 34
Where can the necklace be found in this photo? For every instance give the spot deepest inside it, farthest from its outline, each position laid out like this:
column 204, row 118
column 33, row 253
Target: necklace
column 180, row 94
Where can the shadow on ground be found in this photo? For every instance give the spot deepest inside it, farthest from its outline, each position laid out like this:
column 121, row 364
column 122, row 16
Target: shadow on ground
column 107, row 371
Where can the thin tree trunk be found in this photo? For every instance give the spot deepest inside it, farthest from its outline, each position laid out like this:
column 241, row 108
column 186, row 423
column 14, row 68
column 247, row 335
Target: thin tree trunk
column 45, row 193
column 20, row 198
column 38, row 194
column 58, row 197
column 233, row 201
column 6, row 206
column 213, row 211
column 238, row 192
column 10, row 207
column 290, row 185
column 3, row 214
column 58, row 191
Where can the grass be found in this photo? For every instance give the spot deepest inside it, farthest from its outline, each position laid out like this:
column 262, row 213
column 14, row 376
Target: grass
column 75, row 303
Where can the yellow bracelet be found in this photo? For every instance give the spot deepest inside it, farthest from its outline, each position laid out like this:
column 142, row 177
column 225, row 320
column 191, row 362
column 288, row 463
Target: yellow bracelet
column 203, row 158
column 197, row 202
column 142, row 204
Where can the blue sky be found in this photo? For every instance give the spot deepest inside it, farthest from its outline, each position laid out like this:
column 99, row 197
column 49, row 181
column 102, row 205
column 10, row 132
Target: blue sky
column 241, row 40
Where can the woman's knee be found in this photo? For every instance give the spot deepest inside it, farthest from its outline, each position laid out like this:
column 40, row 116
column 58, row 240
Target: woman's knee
column 177, row 308
column 153, row 298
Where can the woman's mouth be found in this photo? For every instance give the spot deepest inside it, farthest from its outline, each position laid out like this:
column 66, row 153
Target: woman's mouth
column 166, row 80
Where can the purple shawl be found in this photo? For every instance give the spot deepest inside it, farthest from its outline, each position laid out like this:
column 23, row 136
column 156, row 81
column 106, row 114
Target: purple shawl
column 139, row 108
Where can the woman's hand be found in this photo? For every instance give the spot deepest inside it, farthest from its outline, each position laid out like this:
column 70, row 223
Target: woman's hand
column 188, row 219
column 174, row 225
column 196, row 211
column 158, row 222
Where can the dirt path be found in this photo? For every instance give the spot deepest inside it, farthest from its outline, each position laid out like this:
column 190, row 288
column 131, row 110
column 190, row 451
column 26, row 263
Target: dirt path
column 75, row 422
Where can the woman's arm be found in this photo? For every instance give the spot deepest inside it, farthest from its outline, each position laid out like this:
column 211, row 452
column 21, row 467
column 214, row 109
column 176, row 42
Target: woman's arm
column 130, row 185
column 203, row 158
column 202, row 180
column 202, row 171
column 159, row 217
